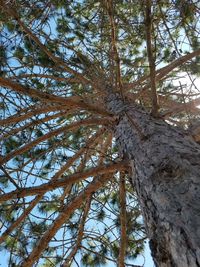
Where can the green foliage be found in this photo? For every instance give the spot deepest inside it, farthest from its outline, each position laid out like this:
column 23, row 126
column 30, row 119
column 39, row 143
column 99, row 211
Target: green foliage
column 101, row 215
column 38, row 228
column 19, row 53
column 48, row 207
column 93, row 260
column 4, row 180
column 78, row 36
column 3, row 57
column 11, row 144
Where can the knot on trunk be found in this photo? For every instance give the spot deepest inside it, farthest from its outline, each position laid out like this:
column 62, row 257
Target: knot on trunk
column 115, row 104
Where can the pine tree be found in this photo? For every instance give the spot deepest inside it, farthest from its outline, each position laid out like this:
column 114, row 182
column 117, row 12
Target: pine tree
column 100, row 132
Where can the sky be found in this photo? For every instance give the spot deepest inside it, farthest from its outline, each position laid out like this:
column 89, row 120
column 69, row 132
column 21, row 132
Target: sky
column 145, row 261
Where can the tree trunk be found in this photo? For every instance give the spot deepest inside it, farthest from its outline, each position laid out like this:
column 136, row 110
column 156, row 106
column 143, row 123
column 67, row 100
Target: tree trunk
column 166, row 174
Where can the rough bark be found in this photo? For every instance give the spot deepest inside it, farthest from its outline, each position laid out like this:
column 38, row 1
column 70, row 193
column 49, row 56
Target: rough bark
column 166, row 174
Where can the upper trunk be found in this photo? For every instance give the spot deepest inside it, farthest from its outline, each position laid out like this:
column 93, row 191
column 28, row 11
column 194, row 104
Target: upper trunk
column 166, row 167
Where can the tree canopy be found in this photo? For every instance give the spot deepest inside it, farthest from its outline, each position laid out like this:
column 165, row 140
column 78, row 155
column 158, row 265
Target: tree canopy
column 65, row 189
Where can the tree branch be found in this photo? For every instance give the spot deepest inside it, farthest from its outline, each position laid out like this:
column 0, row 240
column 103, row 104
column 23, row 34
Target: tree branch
column 162, row 72
column 9, row 177
column 63, row 182
column 52, row 77
column 93, row 139
column 33, row 123
column 80, row 233
column 191, row 105
column 13, row 13
column 60, row 130
column 74, row 101
column 21, row 218
column 151, row 58
column 37, row 111
column 176, row 63
column 95, row 185
column 114, row 45
column 123, row 237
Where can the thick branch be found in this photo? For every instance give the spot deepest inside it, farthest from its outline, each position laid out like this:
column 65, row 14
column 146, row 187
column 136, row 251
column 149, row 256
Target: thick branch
column 176, row 63
column 191, row 105
column 60, row 130
column 21, row 218
column 13, row 13
column 52, row 77
column 63, row 182
column 74, row 101
column 95, row 185
column 161, row 73
column 110, row 10
column 70, row 161
column 89, row 146
column 68, row 260
column 104, row 148
column 55, row 177
column 151, row 58
column 36, row 111
column 34, row 123
column 123, row 237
